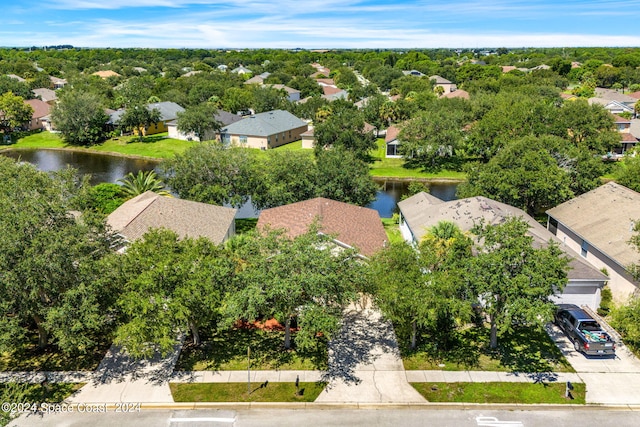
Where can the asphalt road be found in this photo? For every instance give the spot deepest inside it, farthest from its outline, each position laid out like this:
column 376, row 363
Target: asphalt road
column 480, row 417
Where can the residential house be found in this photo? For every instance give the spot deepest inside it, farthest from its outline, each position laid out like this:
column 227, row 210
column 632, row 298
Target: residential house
column 614, row 95
column 140, row 70
column 614, row 107
column 598, row 225
column 332, row 93
column 443, row 83
column 191, row 73
column 241, row 70
column 308, row 139
column 352, row 226
column 634, row 95
column 41, row 110
column 259, row 79
column 186, row 218
column 106, row 74
column 634, row 129
column 168, row 112
column 57, row 82
column 47, row 95
column 223, row 117
column 458, row 93
column 264, row 130
column 16, row 77
column 568, row 96
column 423, row 211
column 320, row 71
column 392, row 143
column 627, row 140
column 415, row 73
column 293, row 95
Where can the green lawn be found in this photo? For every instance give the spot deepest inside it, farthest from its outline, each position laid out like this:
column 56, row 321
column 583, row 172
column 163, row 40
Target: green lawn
column 524, row 350
column 395, row 168
column 244, row 225
column 392, row 229
column 237, row 392
column 50, row 393
column 227, row 350
column 524, row 393
column 155, row 146
column 29, row 358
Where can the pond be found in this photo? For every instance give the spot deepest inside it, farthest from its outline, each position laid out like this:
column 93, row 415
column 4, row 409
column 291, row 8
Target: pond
column 108, row 168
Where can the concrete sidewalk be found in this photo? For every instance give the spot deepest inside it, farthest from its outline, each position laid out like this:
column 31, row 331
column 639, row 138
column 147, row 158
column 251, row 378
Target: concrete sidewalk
column 120, row 378
column 281, row 376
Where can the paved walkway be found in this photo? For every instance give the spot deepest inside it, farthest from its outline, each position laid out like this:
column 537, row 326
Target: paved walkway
column 365, row 364
column 119, row 378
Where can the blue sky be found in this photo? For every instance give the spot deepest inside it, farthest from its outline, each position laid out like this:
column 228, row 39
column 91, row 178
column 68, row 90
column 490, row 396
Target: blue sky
column 320, row 23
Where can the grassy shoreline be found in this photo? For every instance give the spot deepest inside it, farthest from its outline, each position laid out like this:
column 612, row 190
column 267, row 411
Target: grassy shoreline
column 159, row 147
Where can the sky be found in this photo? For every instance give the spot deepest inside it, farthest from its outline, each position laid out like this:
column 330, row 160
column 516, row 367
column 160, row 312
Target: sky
column 320, row 24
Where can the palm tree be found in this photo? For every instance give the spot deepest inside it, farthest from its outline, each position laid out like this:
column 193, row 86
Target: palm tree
column 133, row 185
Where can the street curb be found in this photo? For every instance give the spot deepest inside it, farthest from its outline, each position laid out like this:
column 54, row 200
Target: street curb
column 373, row 406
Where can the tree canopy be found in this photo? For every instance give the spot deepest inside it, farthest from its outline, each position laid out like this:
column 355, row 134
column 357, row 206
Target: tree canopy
column 80, row 118
column 512, row 279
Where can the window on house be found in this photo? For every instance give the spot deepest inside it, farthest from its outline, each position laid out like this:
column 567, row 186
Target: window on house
column 584, row 248
column 226, row 138
column 243, row 139
column 553, row 225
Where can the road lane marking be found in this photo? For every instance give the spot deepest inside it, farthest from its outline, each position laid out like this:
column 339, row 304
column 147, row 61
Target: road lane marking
column 494, row 422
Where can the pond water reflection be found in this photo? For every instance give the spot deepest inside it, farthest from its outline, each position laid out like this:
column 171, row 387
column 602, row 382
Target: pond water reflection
column 108, row 168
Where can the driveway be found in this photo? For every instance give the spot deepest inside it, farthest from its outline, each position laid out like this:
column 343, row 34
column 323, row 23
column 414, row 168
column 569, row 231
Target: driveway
column 365, row 364
column 609, row 380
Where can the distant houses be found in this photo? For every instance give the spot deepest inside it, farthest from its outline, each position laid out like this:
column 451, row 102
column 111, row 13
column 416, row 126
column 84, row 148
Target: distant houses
column 224, row 118
column 168, row 112
column 264, row 130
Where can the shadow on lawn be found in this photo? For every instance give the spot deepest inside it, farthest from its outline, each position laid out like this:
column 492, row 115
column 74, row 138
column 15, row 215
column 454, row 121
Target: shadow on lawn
column 524, row 350
column 228, row 350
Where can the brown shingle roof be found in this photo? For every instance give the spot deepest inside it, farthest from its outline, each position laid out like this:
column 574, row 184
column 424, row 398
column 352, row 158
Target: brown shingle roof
column 459, row 93
column 392, row 133
column 186, row 218
column 352, row 225
column 106, row 74
column 40, row 108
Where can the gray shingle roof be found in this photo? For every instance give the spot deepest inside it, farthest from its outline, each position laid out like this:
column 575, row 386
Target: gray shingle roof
column 264, row 124
column 603, row 217
column 45, row 94
column 423, row 211
column 186, row 218
column 168, row 111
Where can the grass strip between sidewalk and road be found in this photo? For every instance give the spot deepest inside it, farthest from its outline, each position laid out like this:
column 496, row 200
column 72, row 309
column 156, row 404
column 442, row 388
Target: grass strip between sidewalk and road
column 501, row 392
column 237, row 392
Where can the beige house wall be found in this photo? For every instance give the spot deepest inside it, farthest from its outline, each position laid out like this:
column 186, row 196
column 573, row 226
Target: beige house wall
column 620, row 282
column 271, row 141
